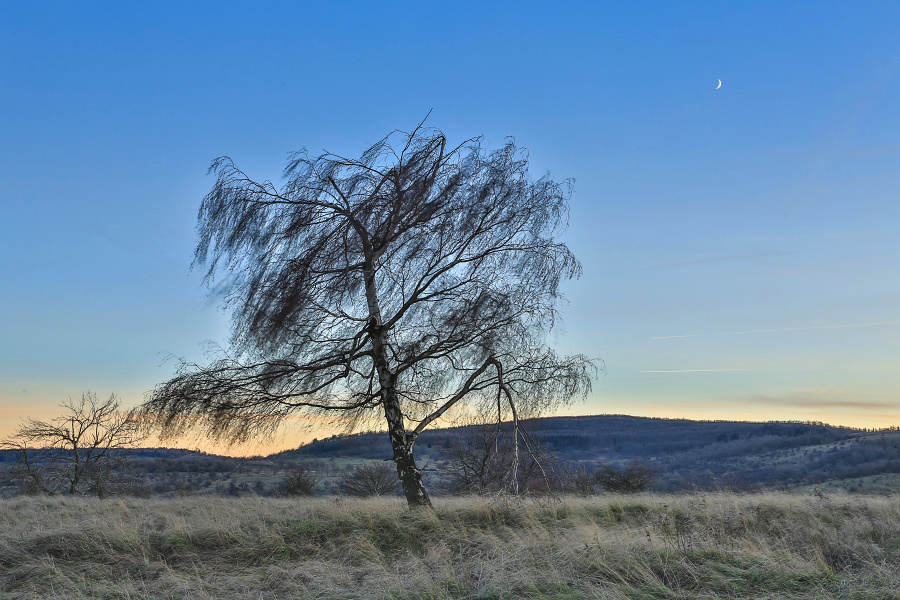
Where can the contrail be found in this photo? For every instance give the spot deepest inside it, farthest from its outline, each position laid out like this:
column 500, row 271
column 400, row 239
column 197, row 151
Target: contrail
column 669, row 337
column 697, row 371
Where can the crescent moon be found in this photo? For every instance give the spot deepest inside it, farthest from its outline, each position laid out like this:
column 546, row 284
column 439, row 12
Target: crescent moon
column 720, row 84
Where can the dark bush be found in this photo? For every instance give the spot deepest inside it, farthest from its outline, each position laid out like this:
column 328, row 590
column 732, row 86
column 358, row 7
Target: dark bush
column 582, row 481
column 633, row 478
column 374, row 479
column 298, row 482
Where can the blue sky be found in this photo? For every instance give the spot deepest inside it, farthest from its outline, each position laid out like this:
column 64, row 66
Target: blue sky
column 760, row 219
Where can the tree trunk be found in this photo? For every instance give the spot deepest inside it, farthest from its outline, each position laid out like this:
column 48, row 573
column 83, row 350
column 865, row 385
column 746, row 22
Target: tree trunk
column 401, row 443
column 410, row 475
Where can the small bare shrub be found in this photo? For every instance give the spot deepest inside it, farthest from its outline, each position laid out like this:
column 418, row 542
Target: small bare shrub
column 375, row 479
column 298, row 482
column 634, row 478
column 486, row 459
column 581, row 481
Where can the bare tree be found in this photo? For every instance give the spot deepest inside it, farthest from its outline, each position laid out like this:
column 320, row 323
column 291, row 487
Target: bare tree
column 391, row 287
column 487, row 458
column 374, row 479
column 475, row 460
column 81, row 448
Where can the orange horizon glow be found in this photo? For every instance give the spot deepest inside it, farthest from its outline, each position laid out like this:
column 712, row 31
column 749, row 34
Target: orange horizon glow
column 298, row 430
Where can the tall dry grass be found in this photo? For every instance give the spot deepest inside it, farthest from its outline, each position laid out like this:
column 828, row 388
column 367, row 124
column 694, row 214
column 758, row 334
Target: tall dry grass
column 638, row 547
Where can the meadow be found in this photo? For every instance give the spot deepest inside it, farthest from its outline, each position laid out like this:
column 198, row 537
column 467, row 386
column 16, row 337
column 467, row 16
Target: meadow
column 703, row 546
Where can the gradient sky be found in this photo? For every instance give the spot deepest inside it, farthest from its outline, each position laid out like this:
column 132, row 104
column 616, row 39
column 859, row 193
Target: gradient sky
column 740, row 245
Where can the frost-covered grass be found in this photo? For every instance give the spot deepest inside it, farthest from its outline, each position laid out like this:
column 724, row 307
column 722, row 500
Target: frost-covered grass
column 646, row 546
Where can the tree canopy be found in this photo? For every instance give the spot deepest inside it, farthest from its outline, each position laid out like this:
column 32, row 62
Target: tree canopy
column 399, row 285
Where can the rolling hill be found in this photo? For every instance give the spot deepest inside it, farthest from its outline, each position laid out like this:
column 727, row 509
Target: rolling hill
column 688, row 454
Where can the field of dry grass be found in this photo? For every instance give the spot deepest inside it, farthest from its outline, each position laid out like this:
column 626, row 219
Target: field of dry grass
column 638, row 547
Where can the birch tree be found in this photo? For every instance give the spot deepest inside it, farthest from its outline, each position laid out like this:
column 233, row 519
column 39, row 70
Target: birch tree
column 412, row 281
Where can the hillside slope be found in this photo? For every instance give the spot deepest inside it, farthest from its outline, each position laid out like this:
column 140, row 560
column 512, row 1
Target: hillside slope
column 689, row 454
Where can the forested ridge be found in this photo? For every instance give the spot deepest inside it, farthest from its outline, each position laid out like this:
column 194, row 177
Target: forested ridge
column 688, row 454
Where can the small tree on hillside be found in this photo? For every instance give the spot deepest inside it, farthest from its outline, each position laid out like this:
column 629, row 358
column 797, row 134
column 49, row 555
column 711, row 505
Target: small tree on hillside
column 374, row 479
column 81, row 449
column 388, row 288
